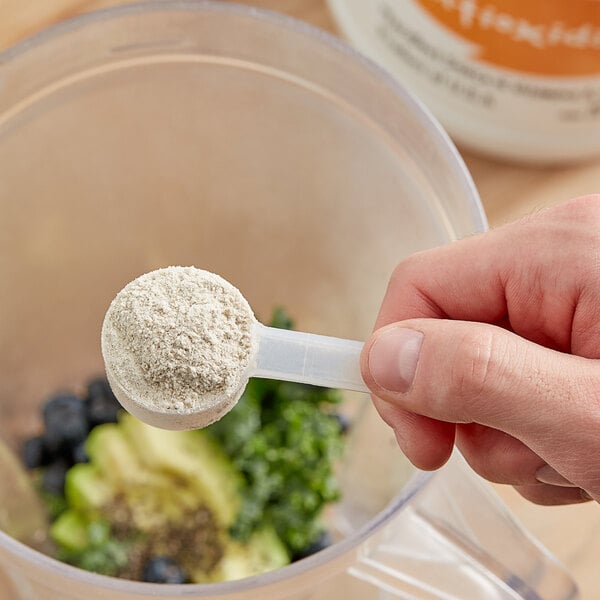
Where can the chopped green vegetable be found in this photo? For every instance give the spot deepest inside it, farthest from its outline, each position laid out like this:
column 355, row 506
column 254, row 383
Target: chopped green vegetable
column 281, row 319
column 87, row 543
column 284, row 443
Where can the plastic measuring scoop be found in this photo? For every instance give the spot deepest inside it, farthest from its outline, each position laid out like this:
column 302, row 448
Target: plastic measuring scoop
column 274, row 353
column 308, row 358
column 278, row 354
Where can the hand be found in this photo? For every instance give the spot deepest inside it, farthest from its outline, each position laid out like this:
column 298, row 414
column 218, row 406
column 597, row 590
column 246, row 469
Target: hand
column 492, row 343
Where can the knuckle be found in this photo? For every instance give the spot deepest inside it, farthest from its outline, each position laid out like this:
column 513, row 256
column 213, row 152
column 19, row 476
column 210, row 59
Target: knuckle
column 411, row 282
column 584, row 209
column 476, row 368
column 588, row 204
column 408, row 268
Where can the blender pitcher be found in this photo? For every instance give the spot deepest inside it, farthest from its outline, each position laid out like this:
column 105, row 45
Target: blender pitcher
column 256, row 147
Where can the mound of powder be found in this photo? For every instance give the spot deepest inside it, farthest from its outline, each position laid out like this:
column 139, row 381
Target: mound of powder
column 178, row 339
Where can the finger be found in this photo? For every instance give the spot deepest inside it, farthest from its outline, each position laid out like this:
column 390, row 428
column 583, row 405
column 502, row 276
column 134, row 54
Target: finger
column 552, row 495
column 497, row 456
column 546, row 474
column 513, row 270
column 461, row 372
column 433, row 283
column 427, row 442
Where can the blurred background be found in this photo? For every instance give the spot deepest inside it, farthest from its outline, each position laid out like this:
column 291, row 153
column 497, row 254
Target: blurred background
column 508, row 191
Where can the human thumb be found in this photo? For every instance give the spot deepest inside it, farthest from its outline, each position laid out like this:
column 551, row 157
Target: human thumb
column 464, row 372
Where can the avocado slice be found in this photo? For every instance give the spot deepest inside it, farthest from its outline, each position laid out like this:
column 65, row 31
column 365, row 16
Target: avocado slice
column 109, row 450
column 192, row 456
column 70, row 530
column 161, row 478
column 263, row 552
column 86, row 489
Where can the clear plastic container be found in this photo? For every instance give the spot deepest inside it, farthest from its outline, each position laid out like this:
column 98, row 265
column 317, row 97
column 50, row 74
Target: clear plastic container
column 263, row 150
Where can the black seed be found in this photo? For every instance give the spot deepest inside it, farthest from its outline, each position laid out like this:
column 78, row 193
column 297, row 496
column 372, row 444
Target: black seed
column 66, row 423
column 53, row 477
column 35, row 454
column 163, row 569
column 322, row 542
column 101, row 404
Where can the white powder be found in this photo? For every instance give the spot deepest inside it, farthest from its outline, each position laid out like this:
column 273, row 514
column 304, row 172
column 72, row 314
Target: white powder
column 179, row 340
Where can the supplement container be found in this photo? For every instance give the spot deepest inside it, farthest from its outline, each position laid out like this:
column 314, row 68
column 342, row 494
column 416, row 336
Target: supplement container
column 197, row 133
column 517, row 80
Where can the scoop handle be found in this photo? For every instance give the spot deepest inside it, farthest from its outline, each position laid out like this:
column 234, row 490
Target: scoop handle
column 308, row 358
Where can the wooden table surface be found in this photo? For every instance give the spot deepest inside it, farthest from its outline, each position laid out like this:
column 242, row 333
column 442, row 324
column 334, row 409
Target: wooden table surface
column 508, row 191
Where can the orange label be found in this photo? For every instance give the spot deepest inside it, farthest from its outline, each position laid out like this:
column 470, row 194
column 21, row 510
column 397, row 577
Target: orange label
column 545, row 37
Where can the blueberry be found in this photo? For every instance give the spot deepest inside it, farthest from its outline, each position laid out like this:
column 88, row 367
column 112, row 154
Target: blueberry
column 66, row 423
column 79, row 455
column 35, row 453
column 53, row 477
column 101, row 404
column 99, row 386
column 322, row 542
column 163, row 569
column 343, row 422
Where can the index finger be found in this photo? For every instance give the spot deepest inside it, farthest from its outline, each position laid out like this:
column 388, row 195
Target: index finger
column 458, row 281
column 530, row 274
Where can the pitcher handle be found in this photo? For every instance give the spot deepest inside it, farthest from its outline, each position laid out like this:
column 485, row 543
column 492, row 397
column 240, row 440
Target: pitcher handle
column 457, row 541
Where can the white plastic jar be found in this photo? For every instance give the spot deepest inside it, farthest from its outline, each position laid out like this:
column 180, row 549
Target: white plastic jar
column 518, row 79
